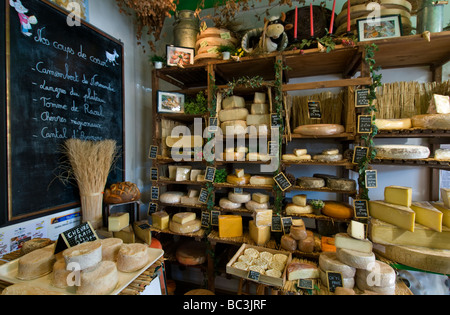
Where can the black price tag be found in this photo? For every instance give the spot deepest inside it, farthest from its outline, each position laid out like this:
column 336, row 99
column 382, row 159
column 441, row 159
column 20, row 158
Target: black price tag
column 273, row 148
column 253, row 275
column 314, row 111
column 361, row 209
column 152, row 208
column 282, row 182
column 307, row 284
column 155, row 193
column 359, row 154
column 213, row 124
column 362, row 98
column 334, row 280
column 204, row 195
column 365, row 124
column 206, row 219
column 75, row 236
column 275, row 121
column 153, row 152
column 287, row 223
column 371, row 179
column 210, row 174
column 276, row 224
column 154, row 174
column 215, row 218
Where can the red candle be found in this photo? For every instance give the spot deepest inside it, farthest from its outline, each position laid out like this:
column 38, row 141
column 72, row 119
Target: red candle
column 311, row 19
column 296, row 23
column 348, row 16
column 332, row 17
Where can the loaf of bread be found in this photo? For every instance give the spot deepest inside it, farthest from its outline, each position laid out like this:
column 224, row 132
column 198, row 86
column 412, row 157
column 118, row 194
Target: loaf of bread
column 122, row 193
column 36, row 264
column 101, row 279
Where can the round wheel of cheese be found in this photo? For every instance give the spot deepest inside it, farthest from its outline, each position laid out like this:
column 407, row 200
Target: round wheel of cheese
column 329, row 262
column 328, row 157
column 380, row 273
column 240, row 198
column 190, row 227
column 99, row 280
column 337, row 210
column 363, row 286
column 355, row 259
column 348, row 283
column 393, row 124
column 234, row 180
column 341, row 184
column 233, row 114
column 191, row 253
column 253, row 205
column 171, row 197
column 225, row 203
column 292, row 209
column 320, row 130
column 400, row 152
column 311, row 182
column 432, row 121
column 261, row 180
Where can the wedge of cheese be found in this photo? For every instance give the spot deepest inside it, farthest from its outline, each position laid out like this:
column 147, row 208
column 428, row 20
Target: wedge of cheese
column 260, row 198
column 160, row 220
column 398, row 195
column 400, row 216
column 357, row 230
column 262, row 217
column 184, row 217
column 445, row 195
column 118, row 221
column 428, row 215
column 345, row 241
column 259, row 234
column 445, row 212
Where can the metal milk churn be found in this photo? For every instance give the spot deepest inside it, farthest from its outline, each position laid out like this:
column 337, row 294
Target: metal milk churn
column 186, row 29
column 430, row 16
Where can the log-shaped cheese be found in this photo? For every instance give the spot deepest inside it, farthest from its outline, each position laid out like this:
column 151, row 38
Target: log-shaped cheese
column 85, row 255
column 400, row 216
column 37, row 264
column 99, row 280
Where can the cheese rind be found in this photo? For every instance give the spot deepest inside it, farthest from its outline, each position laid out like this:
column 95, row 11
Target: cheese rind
column 225, row 203
column 311, row 182
column 260, row 98
column 230, row 226
column 99, row 280
column 344, row 241
column 355, row 259
column 184, row 217
column 300, row 200
column 398, row 195
column 328, row 262
column 432, row 121
column 400, row 216
column 118, row 221
column 253, row 205
column 341, row 184
column 171, row 197
column 338, row 210
column 126, row 235
column 348, row 283
column 378, row 274
column 402, row 152
column 234, row 180
column 234, row 127
column 428, row 215
column 300, row 152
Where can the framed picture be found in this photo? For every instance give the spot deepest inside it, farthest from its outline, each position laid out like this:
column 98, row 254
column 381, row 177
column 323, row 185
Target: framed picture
column 180, row 56
column 170, row 102
column 387, row 26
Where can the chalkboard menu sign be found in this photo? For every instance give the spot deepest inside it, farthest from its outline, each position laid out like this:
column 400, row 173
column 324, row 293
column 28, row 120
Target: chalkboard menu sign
column 314, row 111
column 359, row 154
column 206, row 219
column 371, row 179
column 282, row 182
column 58, row 82
column 276, row 224
column 361, row 209
column 334, row 280
column 365, row 124
column 362, row 98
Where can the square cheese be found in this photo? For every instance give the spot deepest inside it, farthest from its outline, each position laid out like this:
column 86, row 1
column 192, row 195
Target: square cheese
column 260, row 98
column 118, row 221
column 230, row 226
column 259, row 234
column 160, row 220
column 260, row 198
column 300, row 200
column 397, row 215
column 398, row 195
column 262, row 217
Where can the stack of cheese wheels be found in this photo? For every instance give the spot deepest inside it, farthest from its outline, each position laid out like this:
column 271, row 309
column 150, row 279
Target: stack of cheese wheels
column 209, row 41
column 359, row 9
column 233, row 116
column 239, row 178
column 258, row 121
column 329, row 155
column 299, row 206
column 299, row 155
column 299, row 238
column 260, row 207
column 355, row 261
column 185, row 222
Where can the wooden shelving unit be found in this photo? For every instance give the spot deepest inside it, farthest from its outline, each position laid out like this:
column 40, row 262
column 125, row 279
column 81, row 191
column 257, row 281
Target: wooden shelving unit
column 345, row 62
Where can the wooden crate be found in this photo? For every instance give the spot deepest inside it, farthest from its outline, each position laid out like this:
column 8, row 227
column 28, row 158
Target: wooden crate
column 264, row 279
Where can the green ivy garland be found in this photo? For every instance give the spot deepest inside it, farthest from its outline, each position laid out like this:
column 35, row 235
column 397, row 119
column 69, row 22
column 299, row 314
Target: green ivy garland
column 367, row 139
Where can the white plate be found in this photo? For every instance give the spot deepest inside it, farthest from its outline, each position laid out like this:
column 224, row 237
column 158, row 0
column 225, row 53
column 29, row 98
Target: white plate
column 9, row 271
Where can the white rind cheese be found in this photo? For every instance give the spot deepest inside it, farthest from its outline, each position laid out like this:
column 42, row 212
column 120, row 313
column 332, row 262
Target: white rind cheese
column 86, row 255
column 329, row 262
column 239, row 198
column 171, row 197
column 227, row 204
column 402, row 152
column 99, row 280
column 355, row 259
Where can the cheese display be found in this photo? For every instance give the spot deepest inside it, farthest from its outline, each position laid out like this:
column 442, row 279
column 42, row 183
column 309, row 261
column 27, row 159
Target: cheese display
column 118, row 221
column 234, row 127
column 262, row 217
column 398, row 195
column 143, row 232
column 400, row 216
column 393, row 124
column 259, row 234
column 428, row 215
column 86, row 255
column 310, row 182
column 253, row 205
column 132, row 257
column 320, row 130
column 189, row 227
column 259, row 109
column 445, row 212
column 233, row 102
column 225, row 203
column 328, row 261
column 344, row 241
column 253, row 120
column 338, row 210
column 101, row 279
column 261, row 180
column 260, row 198
column 389, row 234
column 230, row 226
column 265, row 263
column 239, row 197
column 233, row 114
column 300, row 200
column 234, row 180
column 442, row 154
column 171, row 197
column 293, row 209
column 110, row 248
column 357, row 230
column 297, row 271
column 431, row 121
column 191, row 253
column 160, row 220
column 402, row 152
column 341, row 184
column 36, row 264
column 184, row 217
column 355, row 259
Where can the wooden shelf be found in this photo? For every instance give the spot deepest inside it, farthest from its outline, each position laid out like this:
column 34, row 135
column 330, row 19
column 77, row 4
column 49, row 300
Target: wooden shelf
column 343, row 136
column 324, row 189
column 344, row 163
column 414, row 133
column 226, row 185
column 168, row 160
column 180, row 205
column 181, row 117
column 164, row 182
column 432, row 163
